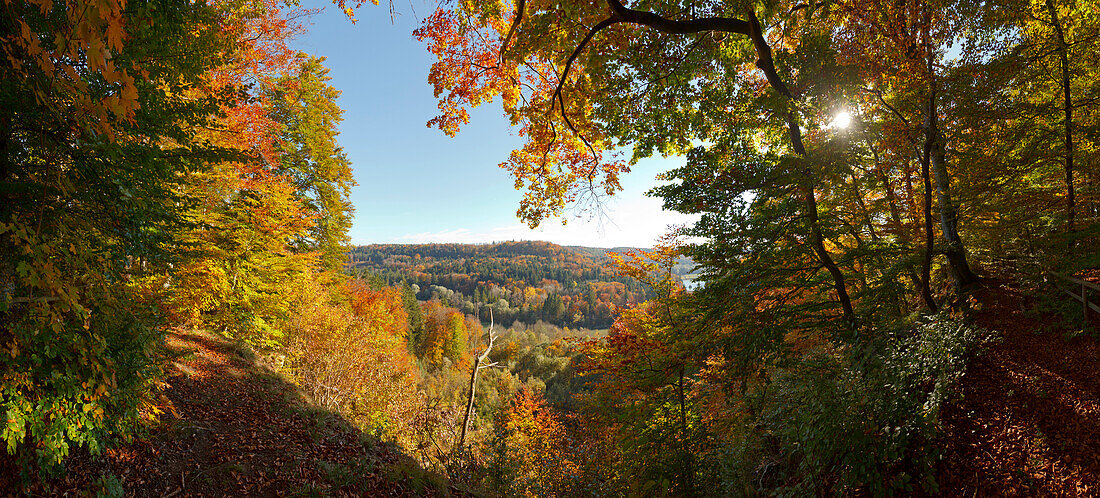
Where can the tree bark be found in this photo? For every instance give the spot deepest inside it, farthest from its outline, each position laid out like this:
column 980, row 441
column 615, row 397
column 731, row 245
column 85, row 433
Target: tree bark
column 929, row 233
column 949, row 216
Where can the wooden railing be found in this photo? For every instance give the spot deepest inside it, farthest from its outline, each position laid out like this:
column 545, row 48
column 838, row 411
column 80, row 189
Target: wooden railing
column 1083, row 297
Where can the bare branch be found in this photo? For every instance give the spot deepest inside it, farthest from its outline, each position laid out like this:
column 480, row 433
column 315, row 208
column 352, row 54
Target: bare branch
column 473, row 381
column 569, row 123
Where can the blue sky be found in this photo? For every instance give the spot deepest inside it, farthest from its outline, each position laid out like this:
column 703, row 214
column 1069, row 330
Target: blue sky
column 418, row 185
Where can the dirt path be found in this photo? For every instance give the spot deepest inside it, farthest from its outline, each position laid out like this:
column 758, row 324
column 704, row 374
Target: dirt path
column 231, row 428
column 1028, row 421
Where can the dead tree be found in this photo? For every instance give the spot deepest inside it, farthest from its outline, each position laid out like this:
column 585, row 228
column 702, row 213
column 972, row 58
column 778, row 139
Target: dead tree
column 478, row 365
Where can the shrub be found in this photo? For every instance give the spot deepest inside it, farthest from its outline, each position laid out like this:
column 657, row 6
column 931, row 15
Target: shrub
column 346, row 348
column 865, row 418
column 84, row 379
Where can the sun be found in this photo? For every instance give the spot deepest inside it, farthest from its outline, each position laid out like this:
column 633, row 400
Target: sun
column 842, row 119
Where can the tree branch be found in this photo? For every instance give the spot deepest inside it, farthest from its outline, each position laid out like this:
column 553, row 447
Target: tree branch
column 34, row 299
column 724, row 24
column 520, row 4
column 764, row 52
column 573, row 56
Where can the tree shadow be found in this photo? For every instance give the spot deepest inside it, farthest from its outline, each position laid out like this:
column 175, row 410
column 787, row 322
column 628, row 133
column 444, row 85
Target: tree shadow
column 230, row 427
column 1028, row 417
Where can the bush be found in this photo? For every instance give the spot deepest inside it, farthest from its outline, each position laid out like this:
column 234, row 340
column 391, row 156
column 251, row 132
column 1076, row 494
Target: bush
column 346, row 348
column 849, row 419
column 84, row 379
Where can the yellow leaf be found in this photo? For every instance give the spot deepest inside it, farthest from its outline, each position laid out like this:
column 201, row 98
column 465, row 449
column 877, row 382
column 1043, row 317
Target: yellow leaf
column 114, row 34
column 25, row 30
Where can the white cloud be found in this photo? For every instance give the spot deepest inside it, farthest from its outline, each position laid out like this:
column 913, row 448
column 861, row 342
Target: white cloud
column 632, row 222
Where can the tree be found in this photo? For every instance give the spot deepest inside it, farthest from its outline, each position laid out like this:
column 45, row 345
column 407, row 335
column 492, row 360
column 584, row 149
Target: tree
column 478, row 365
column 305, row 106
column 644, row 370
column 574, row 113
column 1054, row 48
column 444, row 336
column 531, row 449
column 808, row 228
column 415, row 314
column 96, row 131
column 137, row 177
column 346, row 348
column 238, row 272
column 279, row 210
column 455, row 346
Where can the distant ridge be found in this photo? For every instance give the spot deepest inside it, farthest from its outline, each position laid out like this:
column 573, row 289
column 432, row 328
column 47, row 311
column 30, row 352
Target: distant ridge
column 567, row 286
column 533, row 245
column 684, row 268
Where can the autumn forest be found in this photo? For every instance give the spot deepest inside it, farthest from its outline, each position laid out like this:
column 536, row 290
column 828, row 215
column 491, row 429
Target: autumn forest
column 891, row 286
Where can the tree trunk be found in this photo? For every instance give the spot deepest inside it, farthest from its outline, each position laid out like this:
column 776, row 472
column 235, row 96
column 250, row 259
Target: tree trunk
column 1067, row 104
column 817, row 240
column 895, row 216
column 868, row 220
column 469, row 402
column 478, row 358
column 622, row 14
column 809, row 178
column 949, row 216
column 929, row 234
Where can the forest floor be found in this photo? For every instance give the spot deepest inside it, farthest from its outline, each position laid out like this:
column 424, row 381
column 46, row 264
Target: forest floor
column 233, row 428
column 1027, row 418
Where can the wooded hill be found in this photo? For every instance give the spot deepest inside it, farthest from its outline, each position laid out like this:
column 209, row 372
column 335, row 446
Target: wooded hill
column 568, row 286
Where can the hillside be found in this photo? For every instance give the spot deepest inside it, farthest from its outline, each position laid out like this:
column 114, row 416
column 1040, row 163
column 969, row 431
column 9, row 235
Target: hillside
column 1025, row 419
column 1022, row 421
column 528, row 280
column 231, row 427
column 875, row 267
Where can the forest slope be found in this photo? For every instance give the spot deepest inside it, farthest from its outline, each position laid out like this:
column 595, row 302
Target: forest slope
column 567, row 286
column 1027, row 418
column 231, row 427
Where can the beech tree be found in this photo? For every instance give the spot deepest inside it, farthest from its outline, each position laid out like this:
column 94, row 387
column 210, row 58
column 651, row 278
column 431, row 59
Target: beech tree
column 1054, row 52
column 96, row 131
column 808, row 228
column 139, row 175
column 582, row 80
column 305, row 106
